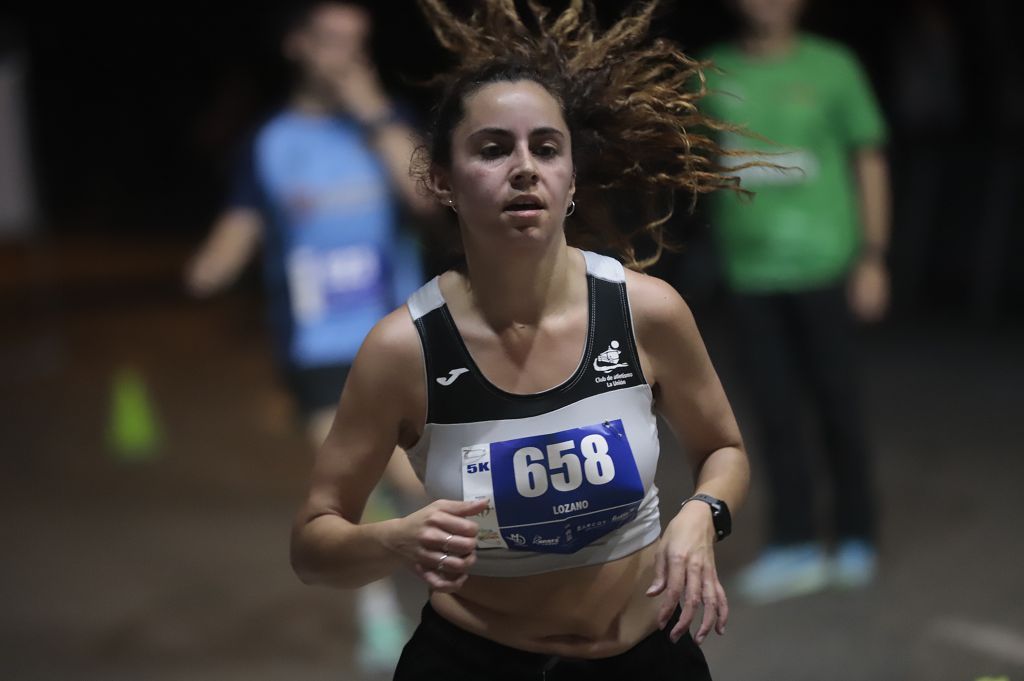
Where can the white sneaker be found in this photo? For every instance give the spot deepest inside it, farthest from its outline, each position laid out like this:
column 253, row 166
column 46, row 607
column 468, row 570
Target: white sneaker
column 854, row 564
column 782, row 572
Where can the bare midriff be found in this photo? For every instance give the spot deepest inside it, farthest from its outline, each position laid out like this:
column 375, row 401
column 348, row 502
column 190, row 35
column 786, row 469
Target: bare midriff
column 588, row 612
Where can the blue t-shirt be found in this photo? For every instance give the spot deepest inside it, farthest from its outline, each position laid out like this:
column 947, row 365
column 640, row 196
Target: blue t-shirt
column 335, row 260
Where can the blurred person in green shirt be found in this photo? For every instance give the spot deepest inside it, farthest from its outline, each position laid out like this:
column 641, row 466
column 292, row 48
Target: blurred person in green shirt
column 803, row 259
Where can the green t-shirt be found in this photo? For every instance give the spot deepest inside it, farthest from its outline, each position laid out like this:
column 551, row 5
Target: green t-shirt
column 802, row 227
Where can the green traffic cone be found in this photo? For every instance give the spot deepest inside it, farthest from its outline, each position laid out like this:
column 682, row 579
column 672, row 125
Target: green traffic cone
column 134, row 434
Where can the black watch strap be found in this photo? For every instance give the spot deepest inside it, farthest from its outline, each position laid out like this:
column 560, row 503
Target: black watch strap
column 720, row 516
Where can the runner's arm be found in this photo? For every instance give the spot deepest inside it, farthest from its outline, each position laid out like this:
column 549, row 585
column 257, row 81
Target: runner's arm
column 329, row 545
column 396, row 143
column 688, row 392
column 383, row 404
column 225, row 253
column 869, row 280
column 690, row 397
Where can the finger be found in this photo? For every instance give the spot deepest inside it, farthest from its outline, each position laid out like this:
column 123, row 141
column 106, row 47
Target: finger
column 710, row 606
column 675, row 580
column 691, row 601
column 445, row 563
column 439, row 582
column 453, row 524
column 723, row 608
column 658, row 585
column 450, row 543
column 463, row 508
column 456, row 517
column 457, row 583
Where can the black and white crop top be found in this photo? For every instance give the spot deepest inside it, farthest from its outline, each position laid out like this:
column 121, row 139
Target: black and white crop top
column 569, row 471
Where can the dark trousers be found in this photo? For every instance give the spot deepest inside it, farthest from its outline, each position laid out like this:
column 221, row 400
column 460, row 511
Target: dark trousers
column 792, row 344
column 440, row 650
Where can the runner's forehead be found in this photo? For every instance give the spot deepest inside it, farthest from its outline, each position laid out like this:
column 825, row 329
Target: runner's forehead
column 519, row 108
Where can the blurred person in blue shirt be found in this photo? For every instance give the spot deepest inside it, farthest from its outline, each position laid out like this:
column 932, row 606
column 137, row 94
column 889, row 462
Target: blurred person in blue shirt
column 323, row 188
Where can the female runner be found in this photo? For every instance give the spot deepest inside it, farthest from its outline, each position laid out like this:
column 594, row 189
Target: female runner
column 524, row 382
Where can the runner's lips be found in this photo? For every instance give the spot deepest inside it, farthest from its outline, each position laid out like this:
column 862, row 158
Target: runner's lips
column 524, row 203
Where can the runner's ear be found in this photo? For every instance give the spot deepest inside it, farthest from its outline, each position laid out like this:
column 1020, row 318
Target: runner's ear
column 440, row 185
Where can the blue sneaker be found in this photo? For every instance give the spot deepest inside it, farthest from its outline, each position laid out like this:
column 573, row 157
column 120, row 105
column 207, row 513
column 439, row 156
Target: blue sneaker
column 854, row 564
column 782, row 572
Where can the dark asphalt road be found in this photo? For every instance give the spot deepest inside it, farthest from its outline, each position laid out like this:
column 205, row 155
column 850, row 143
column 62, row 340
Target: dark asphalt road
column 173, row 565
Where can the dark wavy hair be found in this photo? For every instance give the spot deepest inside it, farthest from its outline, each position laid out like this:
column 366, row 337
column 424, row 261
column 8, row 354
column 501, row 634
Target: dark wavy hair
column 638, row 136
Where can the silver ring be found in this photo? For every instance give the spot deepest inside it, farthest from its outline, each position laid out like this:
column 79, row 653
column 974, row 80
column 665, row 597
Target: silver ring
column 440, row 563
column 444, row 547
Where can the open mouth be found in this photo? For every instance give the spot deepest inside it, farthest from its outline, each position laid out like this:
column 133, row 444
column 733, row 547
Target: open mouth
column 524, row 204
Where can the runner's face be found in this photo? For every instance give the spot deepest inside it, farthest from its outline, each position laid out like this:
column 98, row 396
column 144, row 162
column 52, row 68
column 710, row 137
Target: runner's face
column 332, row 42
column 771, row 16
column 511, row 175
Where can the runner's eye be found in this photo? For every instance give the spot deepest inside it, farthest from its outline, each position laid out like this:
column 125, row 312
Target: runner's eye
column 491, row 151
column 547, row 151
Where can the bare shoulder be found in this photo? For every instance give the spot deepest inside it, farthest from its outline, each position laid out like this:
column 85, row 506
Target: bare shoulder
column 657, row 307
column 386, row 385
column 396, row 335
column 391, row 349
column 665, row 330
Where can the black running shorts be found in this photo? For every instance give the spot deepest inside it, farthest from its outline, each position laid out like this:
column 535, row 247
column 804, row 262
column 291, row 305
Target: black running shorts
column 440, row 650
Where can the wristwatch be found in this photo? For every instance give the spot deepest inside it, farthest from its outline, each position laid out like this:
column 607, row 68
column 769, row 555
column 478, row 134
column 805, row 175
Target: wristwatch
column 720, row 515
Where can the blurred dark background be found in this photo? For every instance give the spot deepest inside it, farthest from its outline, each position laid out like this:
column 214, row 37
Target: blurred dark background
column 135, row 117
column 150, row 460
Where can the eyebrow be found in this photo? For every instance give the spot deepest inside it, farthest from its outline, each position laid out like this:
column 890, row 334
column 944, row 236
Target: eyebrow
column 502, row 132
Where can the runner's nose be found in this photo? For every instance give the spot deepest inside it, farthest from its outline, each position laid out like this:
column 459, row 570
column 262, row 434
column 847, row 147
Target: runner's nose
column 524, row 173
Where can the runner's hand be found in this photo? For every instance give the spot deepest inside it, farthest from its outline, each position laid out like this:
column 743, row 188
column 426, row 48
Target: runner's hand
column 868, row 290
column 684, row 571
column 422, row 536
column 360, row 93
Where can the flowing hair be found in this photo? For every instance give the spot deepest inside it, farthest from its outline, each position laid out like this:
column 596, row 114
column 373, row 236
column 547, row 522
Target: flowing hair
column 631, row 105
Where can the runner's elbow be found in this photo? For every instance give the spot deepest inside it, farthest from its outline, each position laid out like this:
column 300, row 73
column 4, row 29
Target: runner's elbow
column 299, row 555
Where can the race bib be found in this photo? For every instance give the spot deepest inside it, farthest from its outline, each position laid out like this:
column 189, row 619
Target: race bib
column 324, row 282
column 553, row 493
